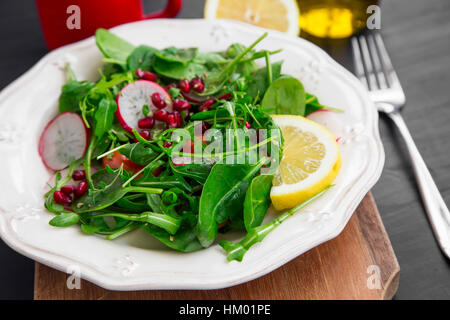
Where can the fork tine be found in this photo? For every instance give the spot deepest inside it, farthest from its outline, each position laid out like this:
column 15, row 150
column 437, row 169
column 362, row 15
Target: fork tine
column 357, row 60
column 378, row 68
column 391, row 75
column 373, row 85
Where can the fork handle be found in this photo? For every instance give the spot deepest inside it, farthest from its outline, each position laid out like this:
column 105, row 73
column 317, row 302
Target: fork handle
column 437, row 211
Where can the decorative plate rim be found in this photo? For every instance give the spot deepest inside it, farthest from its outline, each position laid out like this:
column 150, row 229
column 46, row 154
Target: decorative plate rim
column 286, row 252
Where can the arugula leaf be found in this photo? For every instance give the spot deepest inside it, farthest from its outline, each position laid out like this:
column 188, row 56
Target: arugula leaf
column 184, row 240
column 236, row 251
column 65, row 219
column 104, row 116
column 72, row 93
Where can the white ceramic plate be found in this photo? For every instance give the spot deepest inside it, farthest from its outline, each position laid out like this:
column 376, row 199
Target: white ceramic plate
column 137, row 261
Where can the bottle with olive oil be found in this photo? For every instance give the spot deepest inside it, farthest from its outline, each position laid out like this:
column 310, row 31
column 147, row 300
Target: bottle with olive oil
column 333, row 18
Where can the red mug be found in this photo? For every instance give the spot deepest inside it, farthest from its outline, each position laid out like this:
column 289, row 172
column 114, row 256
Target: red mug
column 67, row 21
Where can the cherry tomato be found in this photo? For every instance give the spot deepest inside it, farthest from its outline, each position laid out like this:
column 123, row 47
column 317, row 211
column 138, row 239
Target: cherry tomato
column 116, row 161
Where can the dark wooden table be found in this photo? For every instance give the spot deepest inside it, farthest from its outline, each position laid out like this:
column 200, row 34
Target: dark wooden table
column 417, row 35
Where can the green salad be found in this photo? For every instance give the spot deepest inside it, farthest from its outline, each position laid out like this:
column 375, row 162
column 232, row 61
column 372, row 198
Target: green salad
column 177, row 142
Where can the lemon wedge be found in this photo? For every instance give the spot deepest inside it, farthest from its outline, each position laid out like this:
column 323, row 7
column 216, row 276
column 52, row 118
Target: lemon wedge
column 311, row 161
column 281, row 15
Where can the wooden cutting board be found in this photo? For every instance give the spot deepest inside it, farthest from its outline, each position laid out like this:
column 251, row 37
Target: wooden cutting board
column 358, row 264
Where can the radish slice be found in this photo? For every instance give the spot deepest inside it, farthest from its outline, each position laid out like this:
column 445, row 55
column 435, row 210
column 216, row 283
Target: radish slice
column 63, row 140
column 133, row 97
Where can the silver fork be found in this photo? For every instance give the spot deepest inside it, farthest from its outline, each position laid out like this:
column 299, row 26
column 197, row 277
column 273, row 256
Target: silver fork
column 374, row 68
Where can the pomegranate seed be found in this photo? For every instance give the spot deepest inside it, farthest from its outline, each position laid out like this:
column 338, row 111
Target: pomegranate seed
column 248, row 125
column 60, row 198
column 157, row 171
column 68, row 190
column 157, row 101
column 146, row 75
column 189, row 147
column 178, row 118
column 184, row 86
column 160, row 115
column 145, row 134
column 205, row 126
column 171, row 121
column 79, row 175
column 225, row 96
column 181, row 105
column 206, row 105
column 170, row 86
column 146, row 123
column 198, row 85
column 80, row 189
column 167, row 144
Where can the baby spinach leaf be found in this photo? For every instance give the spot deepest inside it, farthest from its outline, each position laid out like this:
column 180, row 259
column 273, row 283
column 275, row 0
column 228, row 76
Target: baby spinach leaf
column 139, row 153
column 259, row 83
column 182, row 56
column 197, row 171
column 184, row 240
column 223, row 195
column 257, row 200
column 285, row 95
column 141, row 58
column 65, row 219
column 178, row 71
column 104, row 116
column 113, row 46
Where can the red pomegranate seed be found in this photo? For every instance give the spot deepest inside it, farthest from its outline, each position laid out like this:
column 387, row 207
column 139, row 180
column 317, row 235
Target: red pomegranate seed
column 157, row 171
column 167, row 144
column 206, row 105
column 189, row 147
column 181, row 105
column 160, row 115
column 248, row 125
column 68, row 190
column 198, row 85
column 80, row 189
column 178, row 118
column 205, row 126
column 184, row 86
column 146, row 75
column 61, row 198
column 145, row 134
column 146, row 123
column 78, row 175
column 157, row 101
column 171, row 121
column 225, row 96
column 170, row 86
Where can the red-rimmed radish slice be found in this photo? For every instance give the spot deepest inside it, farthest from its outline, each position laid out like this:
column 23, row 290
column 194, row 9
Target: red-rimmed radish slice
column 329, row 119
column 64, row 139
column 133, row 97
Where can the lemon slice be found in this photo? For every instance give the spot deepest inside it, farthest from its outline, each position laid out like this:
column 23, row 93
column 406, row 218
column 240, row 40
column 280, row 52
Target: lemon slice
column 281, row 15
column 311, row 161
